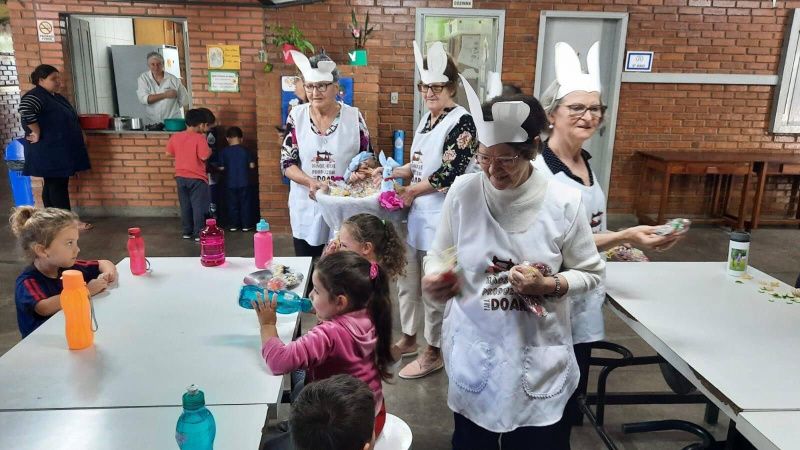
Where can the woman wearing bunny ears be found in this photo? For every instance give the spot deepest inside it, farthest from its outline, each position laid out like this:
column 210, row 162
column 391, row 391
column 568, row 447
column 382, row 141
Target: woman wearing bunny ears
column 443, row 145
column 522, row 243
column 574, row 112
column 322, row 136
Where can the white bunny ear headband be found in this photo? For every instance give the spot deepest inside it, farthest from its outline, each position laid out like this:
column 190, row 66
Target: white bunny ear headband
column 437, row 63
column 507, row 118
column 569, row 74
column 323, row 72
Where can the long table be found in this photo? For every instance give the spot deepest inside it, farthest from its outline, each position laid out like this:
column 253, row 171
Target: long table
column 178, row 325
column 771, row 430
column 734, row 344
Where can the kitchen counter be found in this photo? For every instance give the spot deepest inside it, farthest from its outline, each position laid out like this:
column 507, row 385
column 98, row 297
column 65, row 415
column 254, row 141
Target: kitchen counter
column 129, row 132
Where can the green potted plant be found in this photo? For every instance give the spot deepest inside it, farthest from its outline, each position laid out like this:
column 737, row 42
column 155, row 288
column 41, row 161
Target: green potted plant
column 358, row 56
column 290, row 39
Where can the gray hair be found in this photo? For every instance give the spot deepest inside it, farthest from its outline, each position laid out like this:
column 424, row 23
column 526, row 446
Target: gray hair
column 324, row 57
column 155, row 55
column 548, row 98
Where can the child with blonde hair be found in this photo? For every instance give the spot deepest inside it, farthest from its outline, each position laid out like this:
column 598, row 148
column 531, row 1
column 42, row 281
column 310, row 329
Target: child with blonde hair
column 49, row 239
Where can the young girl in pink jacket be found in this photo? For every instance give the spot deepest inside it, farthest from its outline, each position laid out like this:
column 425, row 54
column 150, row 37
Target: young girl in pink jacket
column 351, row 299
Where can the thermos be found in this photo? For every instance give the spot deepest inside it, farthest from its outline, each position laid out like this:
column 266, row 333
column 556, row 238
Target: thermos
column 77, row 310
column 738, row 253
column 136, row 251
column 399, row 136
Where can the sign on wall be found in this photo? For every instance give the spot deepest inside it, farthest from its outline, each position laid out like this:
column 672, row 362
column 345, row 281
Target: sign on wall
column 223, row 57
column 223, row 81
column 45, row 30
column 637, row 61
column 462, row 3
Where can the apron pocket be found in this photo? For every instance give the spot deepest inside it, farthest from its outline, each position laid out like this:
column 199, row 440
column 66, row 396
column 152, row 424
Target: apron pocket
column 471, row 363
column 545, row 370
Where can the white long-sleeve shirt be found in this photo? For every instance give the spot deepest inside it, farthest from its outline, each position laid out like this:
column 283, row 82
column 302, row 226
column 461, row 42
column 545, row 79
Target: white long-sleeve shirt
column 166, row 108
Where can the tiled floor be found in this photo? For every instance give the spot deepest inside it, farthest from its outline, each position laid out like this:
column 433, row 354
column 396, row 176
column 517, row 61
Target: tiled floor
column 422, row 403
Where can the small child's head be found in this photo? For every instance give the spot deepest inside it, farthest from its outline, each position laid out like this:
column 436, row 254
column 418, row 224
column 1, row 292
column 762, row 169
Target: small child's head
column 376, row 240
column 197, row 119
column 234, row 135
column 210, row 118
column 337, row 413
column 371, row 163
column 345, row 282
column 50, row 234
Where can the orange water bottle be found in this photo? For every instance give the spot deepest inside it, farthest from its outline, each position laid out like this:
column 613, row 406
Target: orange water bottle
column 77, row 310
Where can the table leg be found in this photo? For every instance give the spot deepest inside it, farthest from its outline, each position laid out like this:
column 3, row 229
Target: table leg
column 796, row 195
column 716, row 195
column 644, row 191
column 761, row 173
column 662, row 204
column 743, row 200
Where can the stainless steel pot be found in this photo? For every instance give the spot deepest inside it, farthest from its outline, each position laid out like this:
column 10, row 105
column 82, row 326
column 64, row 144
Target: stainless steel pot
column 122, row 123
column 136, row 123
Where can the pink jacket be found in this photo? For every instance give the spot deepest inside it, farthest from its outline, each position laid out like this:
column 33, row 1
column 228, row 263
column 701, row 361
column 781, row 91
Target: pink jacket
column 343, row 344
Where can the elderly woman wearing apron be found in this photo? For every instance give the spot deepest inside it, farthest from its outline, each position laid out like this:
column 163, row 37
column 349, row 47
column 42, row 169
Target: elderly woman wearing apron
column 521, row 244
column 574, row 111
column 443, row 145
column 322, row 136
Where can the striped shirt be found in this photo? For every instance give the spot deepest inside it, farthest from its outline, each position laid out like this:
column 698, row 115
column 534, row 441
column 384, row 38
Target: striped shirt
column 30, row 106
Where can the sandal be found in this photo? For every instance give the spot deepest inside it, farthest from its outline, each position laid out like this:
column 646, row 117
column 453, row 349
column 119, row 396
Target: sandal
column 85, row 226
column 415, row 369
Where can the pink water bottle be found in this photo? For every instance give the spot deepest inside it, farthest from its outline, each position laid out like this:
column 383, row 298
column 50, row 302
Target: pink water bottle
column 212, row 244
column 262, row 244
column 136, row 251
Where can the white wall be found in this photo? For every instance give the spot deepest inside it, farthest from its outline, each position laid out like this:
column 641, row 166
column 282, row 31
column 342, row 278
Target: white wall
column 107, row 31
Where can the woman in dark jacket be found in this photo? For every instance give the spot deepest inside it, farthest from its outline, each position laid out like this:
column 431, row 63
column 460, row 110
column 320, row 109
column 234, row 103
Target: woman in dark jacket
column 54, row 146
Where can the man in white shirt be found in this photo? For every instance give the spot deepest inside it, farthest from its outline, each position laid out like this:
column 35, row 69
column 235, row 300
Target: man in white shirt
column 161, row 92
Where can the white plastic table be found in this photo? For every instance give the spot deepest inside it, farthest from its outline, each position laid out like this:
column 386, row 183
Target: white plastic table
column 238, row 427
column 737, row 347
column 771, row 430
column 158, row 333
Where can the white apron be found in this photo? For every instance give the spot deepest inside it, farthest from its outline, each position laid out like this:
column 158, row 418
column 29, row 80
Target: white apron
column 321, row 157
column 507, row 367
column 587, row 311
column 426, row 158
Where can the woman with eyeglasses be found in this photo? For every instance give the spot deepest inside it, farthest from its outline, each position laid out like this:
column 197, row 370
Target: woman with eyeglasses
column 575, row 111
column 443, row 145
column 322, row 136
column 521, row 244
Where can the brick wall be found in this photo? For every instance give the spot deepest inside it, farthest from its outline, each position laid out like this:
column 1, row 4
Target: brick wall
column 9, row 100
column 699, row 36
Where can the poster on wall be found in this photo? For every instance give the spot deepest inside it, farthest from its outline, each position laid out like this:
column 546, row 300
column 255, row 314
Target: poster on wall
column 44, row 29
column 223, row 81
column 223, row 57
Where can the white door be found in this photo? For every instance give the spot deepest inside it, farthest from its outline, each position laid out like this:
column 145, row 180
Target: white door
column 83, row 66
column 581, row 30
column 473, row 37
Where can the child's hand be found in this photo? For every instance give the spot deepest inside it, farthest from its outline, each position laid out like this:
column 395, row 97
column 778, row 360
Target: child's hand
column 266, row 310
column 108, row 271
column 97, row 286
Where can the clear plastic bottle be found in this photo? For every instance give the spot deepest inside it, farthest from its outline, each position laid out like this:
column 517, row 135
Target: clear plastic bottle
column 262, row 245
column 212, row 244
column 136, row 251
column 288, row 301
column 77, row 310
column 196, row 428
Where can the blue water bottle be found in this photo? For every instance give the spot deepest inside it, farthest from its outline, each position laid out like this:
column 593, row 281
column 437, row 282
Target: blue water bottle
column 196, row 428
column 288, row 301
column 399, row 136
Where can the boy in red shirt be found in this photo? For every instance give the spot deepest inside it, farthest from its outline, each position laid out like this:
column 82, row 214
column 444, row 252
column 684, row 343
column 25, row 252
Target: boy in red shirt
column 190, row 150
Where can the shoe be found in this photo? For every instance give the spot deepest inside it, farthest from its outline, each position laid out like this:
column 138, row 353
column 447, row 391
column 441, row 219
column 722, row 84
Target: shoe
column 415, row 369
column 245, row 229
column 233, row 229
column 405, row 352
column 197, row 239
column 186, row 236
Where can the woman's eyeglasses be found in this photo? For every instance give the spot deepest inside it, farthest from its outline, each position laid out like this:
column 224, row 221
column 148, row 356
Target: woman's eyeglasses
column 322, row 87
column 578, row 110
column 435, row 88
column 501, row 161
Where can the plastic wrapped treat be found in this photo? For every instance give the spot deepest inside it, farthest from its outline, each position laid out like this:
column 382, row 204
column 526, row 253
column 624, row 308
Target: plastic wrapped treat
column 626, row 253
column 674, row 226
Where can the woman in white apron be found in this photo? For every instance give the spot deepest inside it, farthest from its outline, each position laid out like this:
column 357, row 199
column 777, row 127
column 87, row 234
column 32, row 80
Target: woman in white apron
column 322, row 136
column 521, row 244
column 575, row 111
column 443, row 145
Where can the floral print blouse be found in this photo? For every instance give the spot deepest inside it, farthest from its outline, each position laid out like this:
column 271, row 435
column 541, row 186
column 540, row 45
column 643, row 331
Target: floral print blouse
column 459, row 148
column 290, row 152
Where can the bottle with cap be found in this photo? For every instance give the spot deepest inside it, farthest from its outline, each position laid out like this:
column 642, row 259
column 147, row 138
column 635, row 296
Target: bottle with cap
column 738, row 253
column 77, row 310
column 288, row 302
column 262, row 245
column 212, row 244
column 136, row 251
column 196, row 428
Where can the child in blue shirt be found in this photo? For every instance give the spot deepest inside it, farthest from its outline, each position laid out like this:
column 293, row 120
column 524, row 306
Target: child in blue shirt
column 237, row 163
column 49, row 237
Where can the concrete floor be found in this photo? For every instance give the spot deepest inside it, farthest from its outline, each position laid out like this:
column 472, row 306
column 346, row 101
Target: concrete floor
column 422, row 403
